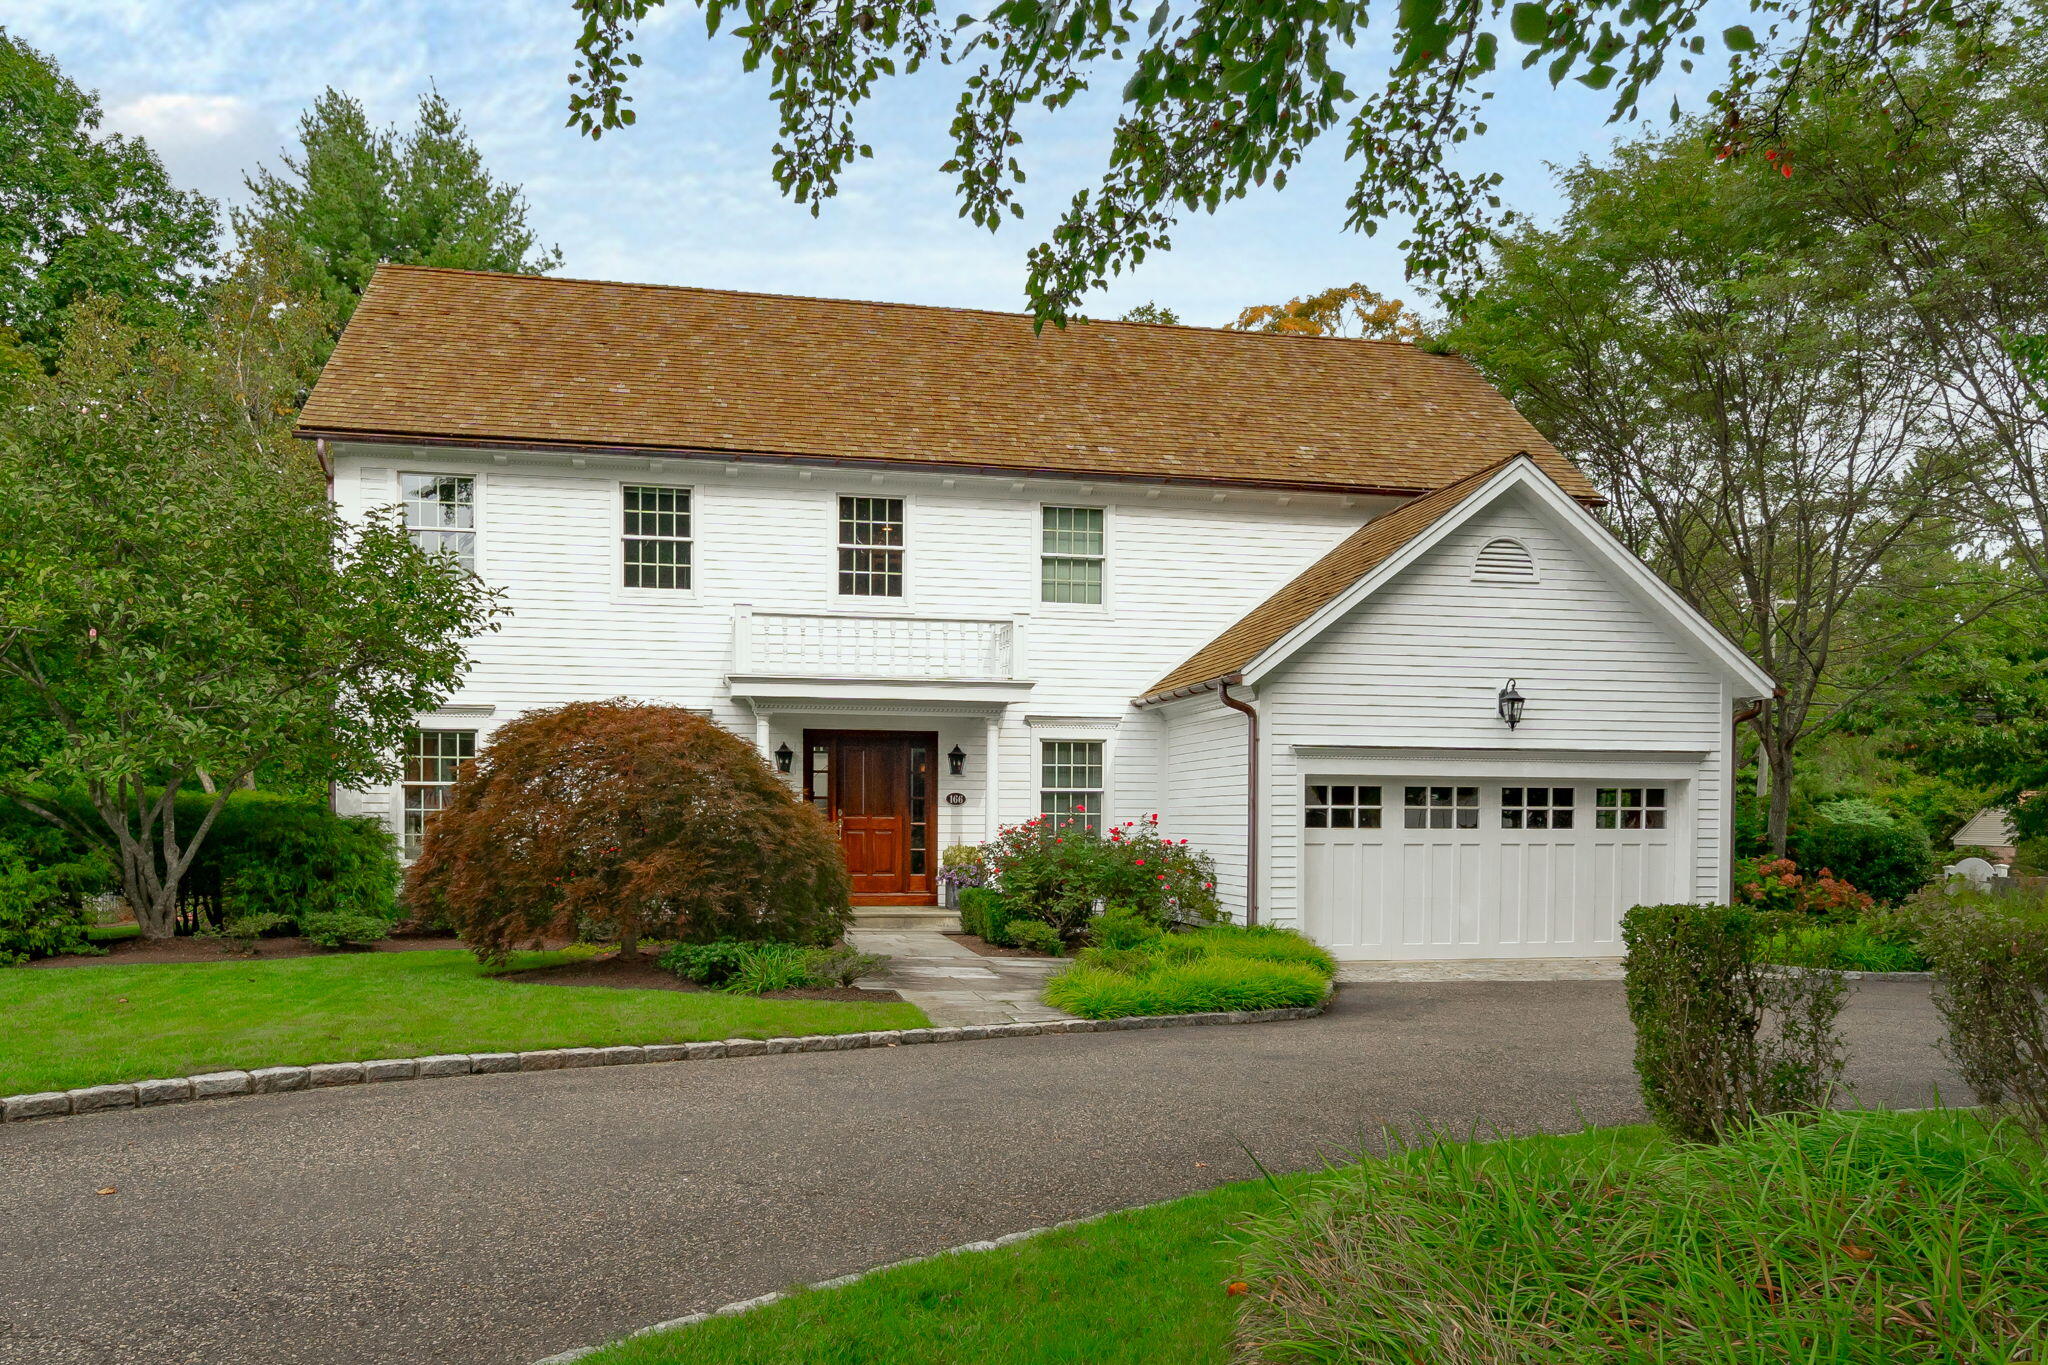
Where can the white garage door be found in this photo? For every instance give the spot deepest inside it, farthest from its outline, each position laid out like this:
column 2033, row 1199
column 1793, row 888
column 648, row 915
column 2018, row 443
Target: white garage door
column 1410, row 868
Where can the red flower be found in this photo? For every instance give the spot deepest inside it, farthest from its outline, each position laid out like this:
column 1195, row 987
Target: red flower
column 1141, row 862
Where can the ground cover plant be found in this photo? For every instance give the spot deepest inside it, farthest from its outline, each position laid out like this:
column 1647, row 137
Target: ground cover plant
column 69, row 1026
column 1614, row 1230
column 644, row 820
column 1218, row 967
column 750, row 968
column 1865, row 946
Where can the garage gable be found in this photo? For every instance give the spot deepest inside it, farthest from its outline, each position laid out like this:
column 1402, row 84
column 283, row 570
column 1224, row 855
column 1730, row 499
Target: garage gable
column 1514, row 500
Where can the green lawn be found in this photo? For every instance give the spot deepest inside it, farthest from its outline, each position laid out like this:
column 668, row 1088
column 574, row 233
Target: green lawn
column 1609, row 1244
column 89, row 1025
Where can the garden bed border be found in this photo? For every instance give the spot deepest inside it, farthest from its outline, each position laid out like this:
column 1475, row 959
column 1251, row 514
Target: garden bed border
column 268, row 1080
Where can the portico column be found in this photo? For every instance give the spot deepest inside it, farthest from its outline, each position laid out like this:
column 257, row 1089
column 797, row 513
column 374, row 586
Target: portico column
column 993, row 765
column 761, row 735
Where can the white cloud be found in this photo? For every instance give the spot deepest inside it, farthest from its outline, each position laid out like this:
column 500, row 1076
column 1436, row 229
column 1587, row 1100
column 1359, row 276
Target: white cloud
column 206, row 142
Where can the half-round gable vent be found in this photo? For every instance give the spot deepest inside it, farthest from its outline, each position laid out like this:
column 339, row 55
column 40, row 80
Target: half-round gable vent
column 1504, row 561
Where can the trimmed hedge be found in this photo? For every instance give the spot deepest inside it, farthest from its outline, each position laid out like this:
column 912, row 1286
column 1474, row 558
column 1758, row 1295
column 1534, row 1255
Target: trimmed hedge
column 985, row 914
column 1990, row 953
column 1722, row 1039
column 1204, row 985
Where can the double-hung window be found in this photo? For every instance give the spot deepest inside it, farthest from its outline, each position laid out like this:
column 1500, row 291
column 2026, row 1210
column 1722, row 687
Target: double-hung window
column 440, row 514
column 433, row 760
column 657, row 537
column 1070, row 783
column 1071, row 553
column 871, row 547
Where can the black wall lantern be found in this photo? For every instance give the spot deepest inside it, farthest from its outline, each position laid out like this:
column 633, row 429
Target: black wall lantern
column 1511, row 703
column 956, row 762
column 783, row 757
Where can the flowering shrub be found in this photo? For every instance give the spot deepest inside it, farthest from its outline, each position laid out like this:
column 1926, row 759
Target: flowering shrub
column 1055, row 872
column 962, row 866
column 1778, row 886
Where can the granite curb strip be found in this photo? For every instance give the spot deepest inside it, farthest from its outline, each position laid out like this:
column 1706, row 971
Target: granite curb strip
column 577, row 1353
column 276, row 1079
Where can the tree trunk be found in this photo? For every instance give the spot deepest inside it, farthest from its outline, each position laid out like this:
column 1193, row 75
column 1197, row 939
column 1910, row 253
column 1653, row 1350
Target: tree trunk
column 1778, row 749
column 629, row 938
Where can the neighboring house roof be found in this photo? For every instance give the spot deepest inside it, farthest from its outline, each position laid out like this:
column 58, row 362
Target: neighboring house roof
column 510, row 361
column 1988, row 828
column 1332, row 585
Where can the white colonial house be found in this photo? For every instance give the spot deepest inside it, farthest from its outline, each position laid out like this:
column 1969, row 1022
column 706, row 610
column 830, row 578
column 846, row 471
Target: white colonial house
column 1332, row 609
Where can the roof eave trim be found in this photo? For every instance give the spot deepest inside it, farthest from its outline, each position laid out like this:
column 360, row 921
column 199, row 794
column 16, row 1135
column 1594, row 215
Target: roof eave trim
column 1189, row 690
column 309, row 432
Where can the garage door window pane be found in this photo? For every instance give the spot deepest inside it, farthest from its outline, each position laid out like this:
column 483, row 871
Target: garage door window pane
column 1629, row 808
column 1341, row 807
column 1440, row 808
column 1535, row 807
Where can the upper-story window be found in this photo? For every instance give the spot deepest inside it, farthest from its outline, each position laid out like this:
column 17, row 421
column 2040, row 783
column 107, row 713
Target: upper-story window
column 1071, row 555
column 871, row 547
column 440, row 514
column 657, row 536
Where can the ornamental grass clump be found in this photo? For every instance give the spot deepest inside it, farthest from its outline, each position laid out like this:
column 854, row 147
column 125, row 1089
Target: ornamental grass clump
column 643, row 819
column 1219, row 967
column 1863, row 1239
column 1721, row 1038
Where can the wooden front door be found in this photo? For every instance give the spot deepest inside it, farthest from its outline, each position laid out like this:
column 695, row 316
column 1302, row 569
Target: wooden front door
column 876, row 785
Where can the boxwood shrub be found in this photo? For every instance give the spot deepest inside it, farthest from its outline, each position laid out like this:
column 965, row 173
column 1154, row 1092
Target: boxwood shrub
column 985, row 914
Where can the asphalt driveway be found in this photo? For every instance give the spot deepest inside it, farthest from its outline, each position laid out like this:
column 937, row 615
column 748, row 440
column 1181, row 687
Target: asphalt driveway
column 491, row 1220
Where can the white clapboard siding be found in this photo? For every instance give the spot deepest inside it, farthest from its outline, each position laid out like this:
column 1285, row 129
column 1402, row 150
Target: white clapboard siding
column 1182, row 565
column 1202, row 797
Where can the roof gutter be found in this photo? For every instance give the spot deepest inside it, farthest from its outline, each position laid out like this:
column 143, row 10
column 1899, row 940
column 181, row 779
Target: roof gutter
column 777, row 457
column 1251, row 795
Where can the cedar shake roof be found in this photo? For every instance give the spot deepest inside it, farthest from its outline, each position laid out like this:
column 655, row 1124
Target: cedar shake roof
column 472, row 358
column 1321, row 583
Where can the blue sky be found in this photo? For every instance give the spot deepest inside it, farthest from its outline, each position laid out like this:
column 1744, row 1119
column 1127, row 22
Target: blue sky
column 684, row 197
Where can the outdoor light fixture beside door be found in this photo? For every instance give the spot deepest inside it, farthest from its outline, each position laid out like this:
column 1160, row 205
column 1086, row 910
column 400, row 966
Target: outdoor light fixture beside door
column 1511, row 703
column 956, row 761
column 784, row 759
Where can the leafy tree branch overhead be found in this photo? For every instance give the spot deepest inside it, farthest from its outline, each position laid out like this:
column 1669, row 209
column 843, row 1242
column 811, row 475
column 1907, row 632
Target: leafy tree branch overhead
column 1219, row 98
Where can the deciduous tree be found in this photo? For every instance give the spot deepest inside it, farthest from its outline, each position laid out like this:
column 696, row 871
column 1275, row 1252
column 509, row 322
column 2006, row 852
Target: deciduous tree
column 179, row 602
column 85, row 213
column 1348, row 310
column 1220, row 98
column 1768, row 442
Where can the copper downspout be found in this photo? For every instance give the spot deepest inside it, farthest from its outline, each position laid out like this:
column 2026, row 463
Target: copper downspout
column 1251, row 799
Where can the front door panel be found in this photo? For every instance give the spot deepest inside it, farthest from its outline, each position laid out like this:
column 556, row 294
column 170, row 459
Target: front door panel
column 874, row 785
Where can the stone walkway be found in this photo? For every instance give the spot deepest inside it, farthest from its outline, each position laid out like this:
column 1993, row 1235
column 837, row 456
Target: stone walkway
column 1486, row 969
column 954, row 984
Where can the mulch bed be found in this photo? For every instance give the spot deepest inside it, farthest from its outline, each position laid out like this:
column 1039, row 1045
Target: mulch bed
column 643, row 975
column 137, row 952
column 977, row 943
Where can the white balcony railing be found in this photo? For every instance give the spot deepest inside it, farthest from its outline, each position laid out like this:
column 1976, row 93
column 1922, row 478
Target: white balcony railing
column 811, row 645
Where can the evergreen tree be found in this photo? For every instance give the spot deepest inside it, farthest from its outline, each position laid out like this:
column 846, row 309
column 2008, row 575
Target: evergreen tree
column 356, row 195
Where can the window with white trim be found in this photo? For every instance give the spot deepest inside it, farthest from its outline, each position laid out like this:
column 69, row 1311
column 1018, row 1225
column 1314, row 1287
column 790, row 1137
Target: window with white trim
column 656, row 536
column 1629, row 808
column 434, row 759
column 440, row 514
column 1071, row 554
column 1536, row 807
column 870, row 547
column 1341, row 806
column 1070, row 783
column 1440, row 808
